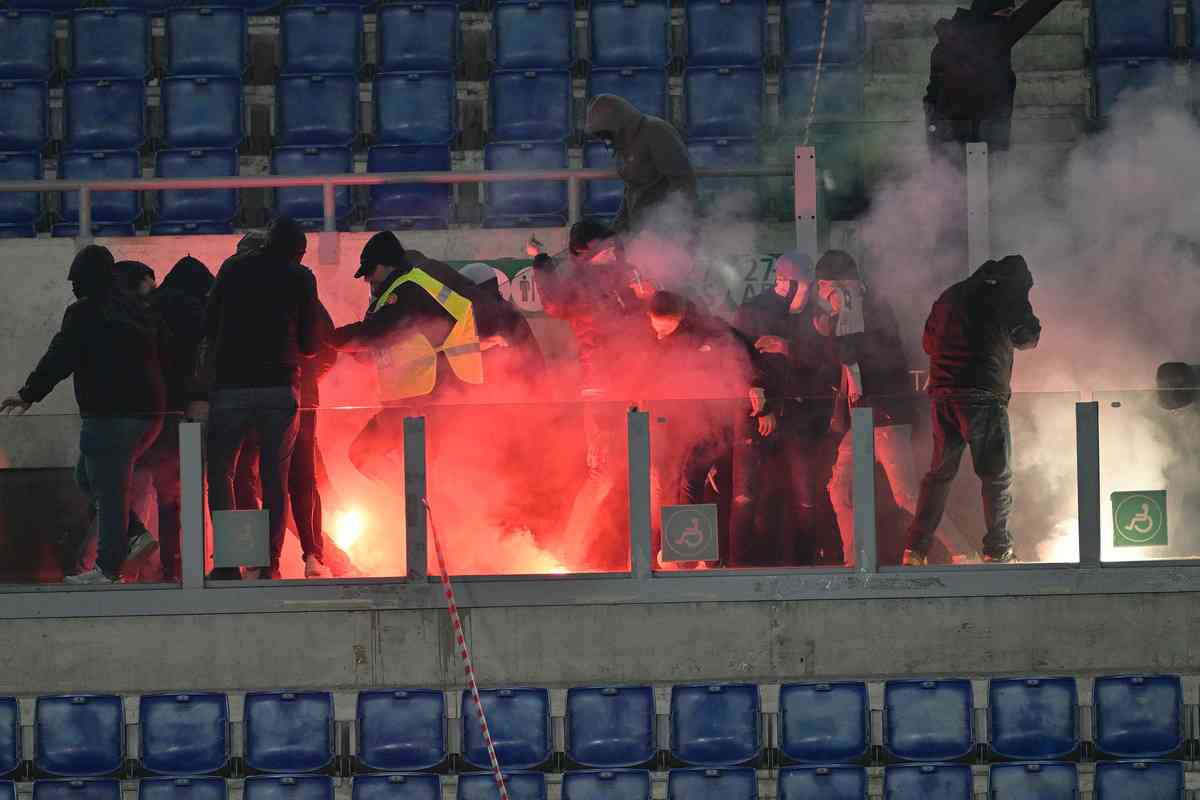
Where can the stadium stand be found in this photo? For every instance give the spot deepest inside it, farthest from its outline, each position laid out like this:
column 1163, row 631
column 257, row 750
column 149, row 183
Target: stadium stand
column 800, row 30
column 1040, row 781
column 26, row 45
column 1138, row 716
column 206, row 40
column 24, row 124
column 8, row 790
column 1034, row 719
column 320, row 39
column 519, row 722
column 712, row 784
column 76, row 789
column 195, row 211
column 397, row 787
column 288, row 787
column 630, row 33
column 289, row 732
column 925, row 781
column 184, row 734
column 610, row 727
column 1144, row 780
column 1117, row 80
column 715, row 725
column 401, row 730
column 183, row 789
column 110, row 43
column 10, row 736
column 417, row 36
column 645, row 88
column 20, row 212
column 104, row 114
column 1131, row 30
column 530, row 105
column 824, row 722
column 408, row 206
column 841, row 98
column 601, row 199
column 533, row 34
column 826, row 783
column 202, row 111
column 928, row 720
column 113, row 213
column 316, row 110
column 414, row 108
column 514, row 204
column 723, row 102
column 521, row 786
column 605, row 785
column 731, row 196
column 722, row 33
column 79, row 735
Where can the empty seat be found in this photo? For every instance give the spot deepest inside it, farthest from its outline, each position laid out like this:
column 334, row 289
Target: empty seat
column 1033, row 718
column 926, row 781
column 1033, row 782
column 1118, row 80
column 112, row 213
column 645, row 88
column 1121, row 29
column 320, row 39
column 738, row 197
column 606, row 785
column 23, row 125
column 722, row 33
column 110, row 43
column 825, row 722
column 423, row 206
column 196, row 211
column 723, row 102
column 518, row 719
column 292, row 731
column 397, row 787
column 315, row 110
column 530, row 105
column 630, row 33
column 1138, row 716
column 801, row 31
column 401, row 729
column 101, row 114
column 417, row 36
column 19, row 216
column 81, row 735
column 288, row 787
column 520, row 785
column 840, row 96
column 206, row 40
column 185, row 734
column 715, row 725
column 823, row 783
column 533, row 34
column 1143, row 780
column 928, row 720
column 10, row 710
column 8, row 790
column 26, row 44
column 524, row 204
column 610, row 726
column 601, row 198
column 414, row 108
column 96, row 789
column 305, row 204
column 202, row 111
column 712, row 784
column 182, row 789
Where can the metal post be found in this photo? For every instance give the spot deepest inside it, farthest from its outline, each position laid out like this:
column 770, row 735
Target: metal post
column 329, row 200
column 573, row 199
column 414, row 496
column 804, row 183
column 640, row 557
column 862, row 429
column 85, row 213
column 191, row 508
column 1087, row 454
column 328, row 239
column 979, row 208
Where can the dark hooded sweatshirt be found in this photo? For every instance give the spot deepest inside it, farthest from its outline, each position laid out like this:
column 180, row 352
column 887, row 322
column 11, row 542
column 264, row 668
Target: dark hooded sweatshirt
column 973, row 329
column 651, row 158
column 180, row 300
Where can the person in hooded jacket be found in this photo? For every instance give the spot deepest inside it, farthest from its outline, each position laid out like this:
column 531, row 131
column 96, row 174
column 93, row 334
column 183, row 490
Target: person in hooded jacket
column 971, row 79
column 652, row 160
column 970, row 337
column 115, row 350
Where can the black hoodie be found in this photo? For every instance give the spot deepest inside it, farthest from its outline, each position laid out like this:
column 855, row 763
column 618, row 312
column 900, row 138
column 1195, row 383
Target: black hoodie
column 180, row 300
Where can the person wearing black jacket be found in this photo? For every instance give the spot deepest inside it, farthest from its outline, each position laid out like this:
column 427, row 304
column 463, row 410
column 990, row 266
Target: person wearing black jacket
column 260, row 325
column 970, row 337
column 114, row 348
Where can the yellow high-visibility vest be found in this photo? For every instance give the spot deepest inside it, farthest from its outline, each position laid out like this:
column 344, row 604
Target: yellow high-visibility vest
column 408, row 368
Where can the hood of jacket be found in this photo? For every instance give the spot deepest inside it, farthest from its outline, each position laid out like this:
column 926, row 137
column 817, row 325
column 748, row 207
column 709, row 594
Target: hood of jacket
column 608, row 112
column 189, row 276
column 1010, row 274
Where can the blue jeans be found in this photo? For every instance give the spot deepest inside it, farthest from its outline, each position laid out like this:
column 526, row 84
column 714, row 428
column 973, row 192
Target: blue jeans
column 110, row 446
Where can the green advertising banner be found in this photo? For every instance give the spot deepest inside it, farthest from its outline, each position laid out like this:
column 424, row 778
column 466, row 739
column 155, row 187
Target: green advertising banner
column 1139, row 519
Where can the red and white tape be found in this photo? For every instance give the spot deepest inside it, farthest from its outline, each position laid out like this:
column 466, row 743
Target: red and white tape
column 465, row 652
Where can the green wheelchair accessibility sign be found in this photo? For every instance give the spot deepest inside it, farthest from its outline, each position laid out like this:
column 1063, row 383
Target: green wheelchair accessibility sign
column 1139, row 519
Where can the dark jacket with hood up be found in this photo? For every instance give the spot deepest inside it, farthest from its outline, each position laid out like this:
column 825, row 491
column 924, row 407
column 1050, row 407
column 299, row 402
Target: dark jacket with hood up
column 973, row 329
column 651, row 158
column 180, row 300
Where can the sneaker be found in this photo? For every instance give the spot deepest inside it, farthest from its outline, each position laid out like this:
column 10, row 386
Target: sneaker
column 313, row 568
column 1005, row 557
column 914, row 559
column 140, row 546
column 93, row 577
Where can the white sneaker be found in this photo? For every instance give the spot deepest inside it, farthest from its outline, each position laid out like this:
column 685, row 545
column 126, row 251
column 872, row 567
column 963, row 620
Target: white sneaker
column 93, row 577
column 141, row 546
column 315, row 569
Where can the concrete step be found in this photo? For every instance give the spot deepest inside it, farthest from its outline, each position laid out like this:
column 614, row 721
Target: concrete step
column 899, row 97
column 1039, row 53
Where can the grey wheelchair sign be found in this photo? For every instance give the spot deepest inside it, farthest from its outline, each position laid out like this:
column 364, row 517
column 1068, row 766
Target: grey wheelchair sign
column 690, row 533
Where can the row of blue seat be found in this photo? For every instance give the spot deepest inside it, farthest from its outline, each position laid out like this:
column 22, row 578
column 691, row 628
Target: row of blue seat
column 1144, row 780
column 1144, row 29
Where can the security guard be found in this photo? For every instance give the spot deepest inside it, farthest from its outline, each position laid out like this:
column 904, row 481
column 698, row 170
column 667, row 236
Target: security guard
column 420, row 329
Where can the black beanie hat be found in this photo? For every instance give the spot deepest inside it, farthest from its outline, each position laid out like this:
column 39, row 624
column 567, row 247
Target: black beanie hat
column 837, row 265
column 91, row 271
column 286, row 238
column 382, row 248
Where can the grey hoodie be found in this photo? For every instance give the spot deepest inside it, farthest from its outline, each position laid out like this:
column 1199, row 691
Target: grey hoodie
column 651, row 158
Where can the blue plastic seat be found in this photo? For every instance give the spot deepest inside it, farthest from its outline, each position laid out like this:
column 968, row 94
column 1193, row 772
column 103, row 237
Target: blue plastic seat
column 10, row 710
column 840, row 97
column 715, row 725
column 1035, row 719
column 306, row 205
column 84, row 735
column 1122, row 29
column 824, row 722
column 402, row 730
column 8, row 789
column 722, row 33
column 206, row 40
column 182, row 789
column 801, row 31
column 316, row 110
column 733, row 196
column 723, row 102
column 290, row 731
column 424, row 206
column 525, row 204
column 320, row 39
column 601, row 198
column 20, row 213
column 110, row 43
column 1143, row 780
column 417, row 36
column 397, row 787
column 928, row 720
column 645, row 88
column 26, row 44
column 1117, row 80
column 530, row 105
column 823, row 783
column 520, row 785
column 712, row 784
column 414, row 108
column 185, row 734
column 519, row 721
column 101, row 114
column 630, row 33
column 610, row 727
column 533, row 34
column 95, row 789
column 1138, row 716
column 112, row 212
column 1033, row 782
column 288, row 787
column 202, row 111
column 606, row 785
column 26, row 108
column 926, row 781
